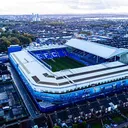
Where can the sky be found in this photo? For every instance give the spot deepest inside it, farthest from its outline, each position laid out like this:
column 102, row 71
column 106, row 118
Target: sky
column 63, row 6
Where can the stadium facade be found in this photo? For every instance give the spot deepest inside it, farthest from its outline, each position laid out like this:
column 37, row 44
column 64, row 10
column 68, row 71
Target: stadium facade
column 76, row 71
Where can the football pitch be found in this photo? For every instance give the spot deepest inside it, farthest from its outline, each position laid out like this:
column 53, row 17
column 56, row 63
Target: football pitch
column 63, row 63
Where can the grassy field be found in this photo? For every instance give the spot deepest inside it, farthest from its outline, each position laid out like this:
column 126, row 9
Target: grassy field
column 96, row 125
column 63, row 63
column 118, row 119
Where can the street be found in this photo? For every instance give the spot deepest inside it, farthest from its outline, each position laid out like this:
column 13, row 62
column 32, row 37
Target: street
column 31, row 107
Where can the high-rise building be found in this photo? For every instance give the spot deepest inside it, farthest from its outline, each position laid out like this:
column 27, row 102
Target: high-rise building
column 35, row 17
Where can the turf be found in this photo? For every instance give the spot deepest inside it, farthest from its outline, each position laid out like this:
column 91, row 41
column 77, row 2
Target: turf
column 63, row 63
column 107, row 122
column 96, row 125
column 118, row 119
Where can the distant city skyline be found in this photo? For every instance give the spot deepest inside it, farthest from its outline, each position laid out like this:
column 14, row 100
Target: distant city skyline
column 63, row 6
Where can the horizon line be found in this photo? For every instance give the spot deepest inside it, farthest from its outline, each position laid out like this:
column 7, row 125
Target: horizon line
column 71, row 14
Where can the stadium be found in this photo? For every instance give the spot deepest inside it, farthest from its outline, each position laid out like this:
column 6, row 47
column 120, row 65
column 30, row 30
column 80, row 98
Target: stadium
column 58, row 75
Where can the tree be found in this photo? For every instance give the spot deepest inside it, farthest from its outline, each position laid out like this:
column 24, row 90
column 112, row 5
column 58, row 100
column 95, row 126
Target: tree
column 24, row 40
column 15, row 32
column 4, row 44
column 14, row 40
column 13, row 37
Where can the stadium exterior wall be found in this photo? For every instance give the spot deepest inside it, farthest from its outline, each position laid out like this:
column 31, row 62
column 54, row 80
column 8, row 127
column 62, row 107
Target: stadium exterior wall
column 23, row 78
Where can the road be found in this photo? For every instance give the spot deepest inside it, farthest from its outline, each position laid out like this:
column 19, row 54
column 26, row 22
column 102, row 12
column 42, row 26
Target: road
column 32, row 109
column 123, row 125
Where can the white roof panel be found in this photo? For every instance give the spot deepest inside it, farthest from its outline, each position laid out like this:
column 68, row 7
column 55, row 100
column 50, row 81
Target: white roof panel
column 88, row 68
column 101, row 50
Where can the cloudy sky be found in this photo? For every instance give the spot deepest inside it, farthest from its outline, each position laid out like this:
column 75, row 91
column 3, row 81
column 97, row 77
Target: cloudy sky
column 63, row 6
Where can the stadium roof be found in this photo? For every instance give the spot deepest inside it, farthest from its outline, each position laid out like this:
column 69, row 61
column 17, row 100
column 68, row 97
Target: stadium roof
column 43, row 79
column 100, row 50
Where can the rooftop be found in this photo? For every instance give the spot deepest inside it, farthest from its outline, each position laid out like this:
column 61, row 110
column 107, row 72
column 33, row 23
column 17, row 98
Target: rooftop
column 66, row 79
column 100, row 50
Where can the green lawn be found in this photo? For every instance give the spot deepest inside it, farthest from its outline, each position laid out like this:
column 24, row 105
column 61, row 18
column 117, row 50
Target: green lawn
column 106, row 122
column 63, row 63
column 96, row 125
column 118, row 119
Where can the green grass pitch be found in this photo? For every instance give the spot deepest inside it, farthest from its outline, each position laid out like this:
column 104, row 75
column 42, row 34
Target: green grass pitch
column 63, row 63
